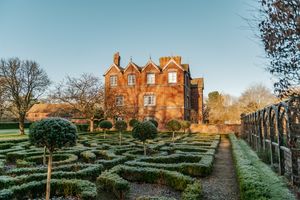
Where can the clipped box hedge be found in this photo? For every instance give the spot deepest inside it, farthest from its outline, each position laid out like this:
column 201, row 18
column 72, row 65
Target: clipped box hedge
column 13, row 125
column 256, row 179
column 116, row 180
column 85, row 190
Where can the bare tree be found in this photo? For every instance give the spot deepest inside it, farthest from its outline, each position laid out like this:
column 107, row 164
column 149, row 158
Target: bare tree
column 255, row 97
column 280, row 33
column 85, row 94
column 24, row 82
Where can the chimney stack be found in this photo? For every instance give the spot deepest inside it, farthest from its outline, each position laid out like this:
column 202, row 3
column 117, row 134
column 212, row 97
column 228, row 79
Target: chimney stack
column 117, row 59
column 164, row 60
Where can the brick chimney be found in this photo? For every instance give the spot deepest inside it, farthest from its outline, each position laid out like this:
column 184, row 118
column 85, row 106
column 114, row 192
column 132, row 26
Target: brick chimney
column 117, row 59
column 164, row 60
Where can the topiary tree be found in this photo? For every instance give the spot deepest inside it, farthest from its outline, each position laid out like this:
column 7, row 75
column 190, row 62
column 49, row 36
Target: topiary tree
column 173, row 125
column 120, row 126
column 185, row 125
column 133, row 122
column 144, row 131
column 52, row 133
column 105, row 125
column 154, row 122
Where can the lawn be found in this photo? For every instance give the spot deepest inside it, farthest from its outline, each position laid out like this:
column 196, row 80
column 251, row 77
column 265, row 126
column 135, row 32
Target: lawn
column 98, row 168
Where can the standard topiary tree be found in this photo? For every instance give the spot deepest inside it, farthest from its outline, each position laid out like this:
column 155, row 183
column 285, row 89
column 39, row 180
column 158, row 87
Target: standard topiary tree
column 105, row 125
column 133, row 122
column 120, row 126
column 185, row 125
column 52, row 133
column 154, row 122
column 173, row 125
column 144, row 131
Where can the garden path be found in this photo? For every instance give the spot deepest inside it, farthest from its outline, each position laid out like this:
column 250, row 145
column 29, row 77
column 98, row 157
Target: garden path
column 222, row 183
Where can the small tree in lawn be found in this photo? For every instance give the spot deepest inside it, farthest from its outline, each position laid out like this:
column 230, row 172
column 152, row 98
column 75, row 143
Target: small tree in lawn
column 52, row 133
column 154, row 122
column 173, row 125
column 143, row 131
column 185, row 125
column 105, row 125
column 133, row 122
column 120, row 126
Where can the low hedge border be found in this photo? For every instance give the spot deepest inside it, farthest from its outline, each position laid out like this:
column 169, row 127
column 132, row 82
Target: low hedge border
column 193, row 165
column 89, row 173
column 80, row 188
column 116, row 180
column 256, row 179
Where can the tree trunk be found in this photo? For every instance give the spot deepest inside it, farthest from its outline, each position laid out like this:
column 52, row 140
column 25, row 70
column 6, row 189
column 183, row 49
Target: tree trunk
column 145, row 149
column 120, row 137
column 44, row 158
column 49, row 176
column 173, row 136
column 92, row 125
column 22, row 124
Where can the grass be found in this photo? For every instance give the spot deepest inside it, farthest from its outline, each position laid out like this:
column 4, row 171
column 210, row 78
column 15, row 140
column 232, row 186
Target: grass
column 7, row 134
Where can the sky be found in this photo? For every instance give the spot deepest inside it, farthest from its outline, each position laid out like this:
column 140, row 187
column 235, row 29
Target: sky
column 72, row 37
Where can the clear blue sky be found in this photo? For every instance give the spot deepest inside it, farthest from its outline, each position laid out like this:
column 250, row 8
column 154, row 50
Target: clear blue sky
column 74, row 36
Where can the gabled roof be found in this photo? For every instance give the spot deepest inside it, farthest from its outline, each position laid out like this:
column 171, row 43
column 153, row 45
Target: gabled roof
column 120, row 69
column 132, row 64
column 150, row 62
column 173, row 61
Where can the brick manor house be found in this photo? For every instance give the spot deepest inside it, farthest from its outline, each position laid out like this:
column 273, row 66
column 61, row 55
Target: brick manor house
column 161, row 92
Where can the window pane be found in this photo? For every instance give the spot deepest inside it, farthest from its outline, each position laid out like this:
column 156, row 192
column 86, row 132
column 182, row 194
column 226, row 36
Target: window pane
column 172, row 77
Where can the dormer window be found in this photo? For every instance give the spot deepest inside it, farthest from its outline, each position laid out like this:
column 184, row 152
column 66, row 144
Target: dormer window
column 113, row 80
column 151, row 78
column 172, row 77
column 131, row 79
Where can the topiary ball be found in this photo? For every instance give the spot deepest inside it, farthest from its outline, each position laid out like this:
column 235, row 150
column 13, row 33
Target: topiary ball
column 54, row 133
column 144, row 130
column 105, row 124
column 121, row 125
column 133, row 122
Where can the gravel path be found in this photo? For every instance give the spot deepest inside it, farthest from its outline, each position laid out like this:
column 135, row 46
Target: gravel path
column 222, row 183
column 139, row 189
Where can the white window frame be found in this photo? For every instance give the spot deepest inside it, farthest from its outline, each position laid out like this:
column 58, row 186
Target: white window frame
column 131, row 79
column 149, row 100
column 150, row 78
column 113, row 80
column 120, row 100
column 172, row 77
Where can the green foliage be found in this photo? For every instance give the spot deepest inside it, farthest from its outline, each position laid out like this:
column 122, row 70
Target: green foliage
column 133, row 122
column 88, row 156
column 256, row 179
column 83, row 189
column 120, row 125
column 82, row 127
column 13, row 125
column 54, row 133
column 173, row 125
column 153, row 121
column 105, row 124
column 192, row 192
column 185, row 125
column 144, row 131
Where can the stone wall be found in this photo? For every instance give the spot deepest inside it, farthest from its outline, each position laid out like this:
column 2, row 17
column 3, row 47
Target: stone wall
column 220, row 128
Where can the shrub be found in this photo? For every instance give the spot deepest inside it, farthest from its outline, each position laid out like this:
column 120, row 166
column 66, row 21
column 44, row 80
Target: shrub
column 256, row 179
column 105, row 125
column 120, row 126
column 52, row 133
column 82, row 127
column 88, row 156
column 185, row 125
column 154, row 122
column 173, row 125
column 133, row 122
column 13, row 125
column 192, row 191
column 144, row 131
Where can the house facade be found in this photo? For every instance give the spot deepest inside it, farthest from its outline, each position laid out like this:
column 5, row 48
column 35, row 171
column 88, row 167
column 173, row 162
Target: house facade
column 161, row 91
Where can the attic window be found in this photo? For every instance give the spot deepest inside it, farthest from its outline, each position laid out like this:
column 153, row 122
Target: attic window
column 172, row 77
column 131, row 79
column 113, row 80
